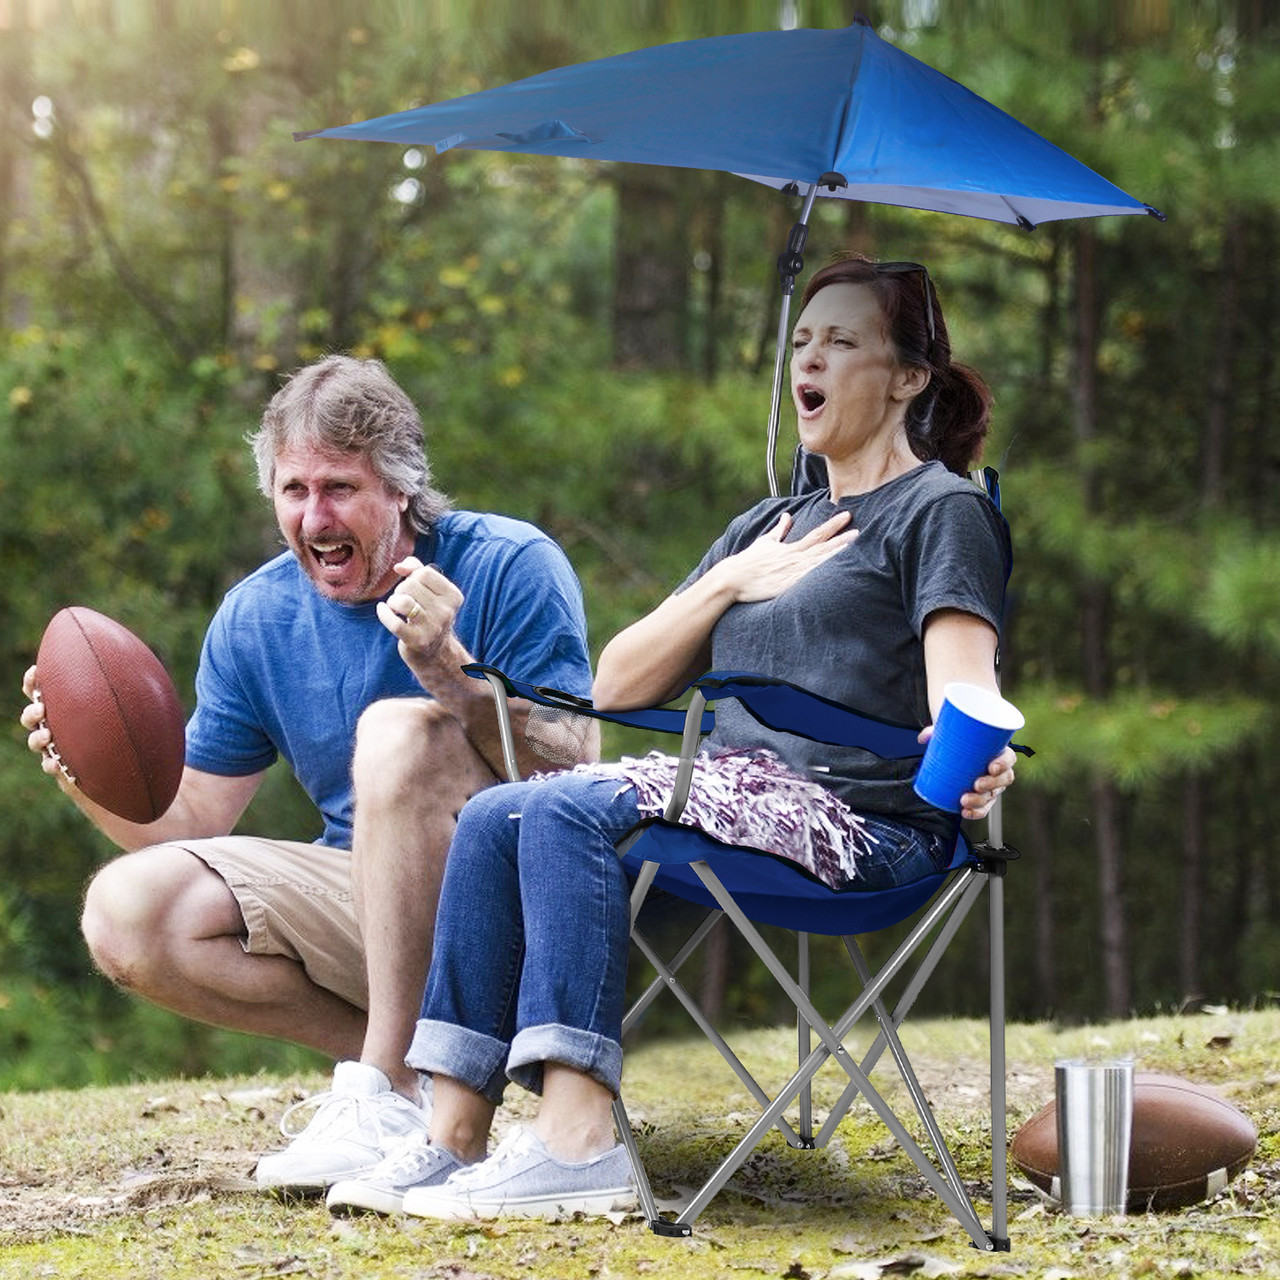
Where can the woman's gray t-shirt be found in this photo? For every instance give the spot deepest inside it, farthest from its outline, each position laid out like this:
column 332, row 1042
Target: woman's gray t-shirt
column 852, row 629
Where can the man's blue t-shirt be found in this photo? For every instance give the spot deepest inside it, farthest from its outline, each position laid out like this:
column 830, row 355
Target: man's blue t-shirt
column 286, row 672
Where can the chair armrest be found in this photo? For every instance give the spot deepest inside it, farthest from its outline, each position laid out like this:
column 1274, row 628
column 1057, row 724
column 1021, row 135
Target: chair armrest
column 692, row 724
column 663, row 719
column 777, row 704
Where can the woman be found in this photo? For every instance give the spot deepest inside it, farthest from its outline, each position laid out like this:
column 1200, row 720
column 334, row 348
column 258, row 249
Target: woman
column 874, row 593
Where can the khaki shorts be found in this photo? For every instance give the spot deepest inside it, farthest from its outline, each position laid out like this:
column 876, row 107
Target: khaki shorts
column 296, row 902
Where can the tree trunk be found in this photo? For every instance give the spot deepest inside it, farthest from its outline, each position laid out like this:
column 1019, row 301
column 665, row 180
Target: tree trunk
column 1215, row 461
column 1193, row 829
column 1221, row 380
column 222, row 142
column 1116, row 977
column 713, row 981
column 1046, row 939
column 1258, row 483
column 1095, row 614
column 781, row 220
column 15, row 95
column 651, row 285
column 710, row 264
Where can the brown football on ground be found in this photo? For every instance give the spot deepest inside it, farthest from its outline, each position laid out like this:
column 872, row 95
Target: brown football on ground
column 115, row 717
column 1187, row 1143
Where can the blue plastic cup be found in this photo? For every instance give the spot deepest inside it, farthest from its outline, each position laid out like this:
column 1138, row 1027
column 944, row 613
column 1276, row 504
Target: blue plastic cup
column 974, row 726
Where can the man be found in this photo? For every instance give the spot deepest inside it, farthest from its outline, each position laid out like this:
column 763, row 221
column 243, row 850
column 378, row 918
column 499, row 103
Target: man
column 342, row 655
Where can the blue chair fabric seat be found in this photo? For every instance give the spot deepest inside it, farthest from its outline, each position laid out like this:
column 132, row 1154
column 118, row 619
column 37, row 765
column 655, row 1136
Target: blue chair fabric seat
column 774, row 890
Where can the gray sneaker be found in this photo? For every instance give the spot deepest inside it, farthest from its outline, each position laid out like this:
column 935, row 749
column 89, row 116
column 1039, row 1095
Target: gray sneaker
column 523, row 1179
column 382, row 1189
column 356, row 1125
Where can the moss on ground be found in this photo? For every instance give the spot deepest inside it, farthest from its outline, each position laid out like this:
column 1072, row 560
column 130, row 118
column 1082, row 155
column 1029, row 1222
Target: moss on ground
column 155, row 1179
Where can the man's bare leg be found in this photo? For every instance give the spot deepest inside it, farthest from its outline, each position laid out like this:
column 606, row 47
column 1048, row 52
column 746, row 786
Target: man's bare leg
column 160, row 923
column 414, row 769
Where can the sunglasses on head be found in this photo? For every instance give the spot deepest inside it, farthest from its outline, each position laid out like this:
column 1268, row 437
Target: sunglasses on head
column 905, row 268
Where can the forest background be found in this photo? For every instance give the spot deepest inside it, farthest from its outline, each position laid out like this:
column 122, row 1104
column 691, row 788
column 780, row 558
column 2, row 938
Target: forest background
column 591, row 346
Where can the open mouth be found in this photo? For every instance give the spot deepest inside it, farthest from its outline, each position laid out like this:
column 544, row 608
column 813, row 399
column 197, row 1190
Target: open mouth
column 332, row 555
column 811, row 399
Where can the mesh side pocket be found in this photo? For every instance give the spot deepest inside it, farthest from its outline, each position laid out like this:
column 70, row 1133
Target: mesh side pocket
column 555, row 734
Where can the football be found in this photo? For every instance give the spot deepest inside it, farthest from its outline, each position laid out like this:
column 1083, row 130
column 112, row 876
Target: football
column 1187, row 1143
column 114, row 714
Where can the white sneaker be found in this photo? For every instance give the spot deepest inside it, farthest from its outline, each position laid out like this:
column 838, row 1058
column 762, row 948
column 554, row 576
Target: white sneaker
column 382, row 1189
column 523, row 1179
column 357, row 1123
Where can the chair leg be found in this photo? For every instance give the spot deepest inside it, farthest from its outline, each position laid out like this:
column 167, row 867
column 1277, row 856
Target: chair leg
column 644, row 1192
column 889, row 1031
column 999, row 1112
column 704, row 1024
column 906, row 1000
column 805, row 1044
column 951, row 1193
column 659, row 984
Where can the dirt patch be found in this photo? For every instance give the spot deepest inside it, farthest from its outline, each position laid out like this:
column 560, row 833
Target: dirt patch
column 71, row 1161
column 34, row 1212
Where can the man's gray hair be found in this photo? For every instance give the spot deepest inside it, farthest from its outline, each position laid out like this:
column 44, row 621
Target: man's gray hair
column 352, row 406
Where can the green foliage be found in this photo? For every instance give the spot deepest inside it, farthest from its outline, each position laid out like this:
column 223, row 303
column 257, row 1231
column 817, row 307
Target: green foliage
column 1238, row 604
column 60, row 1036
column 1136, row 738
column 167, row 251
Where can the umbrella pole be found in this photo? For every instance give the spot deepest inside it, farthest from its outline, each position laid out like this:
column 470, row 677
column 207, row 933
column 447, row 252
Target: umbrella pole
column 790, row 264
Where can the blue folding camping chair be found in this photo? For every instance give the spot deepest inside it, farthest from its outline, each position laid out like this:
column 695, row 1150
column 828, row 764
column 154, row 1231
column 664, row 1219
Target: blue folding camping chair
column 751, row 888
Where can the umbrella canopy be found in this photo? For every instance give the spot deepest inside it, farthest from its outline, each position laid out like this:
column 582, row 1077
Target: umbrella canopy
column 839, row 111
column 833, row 113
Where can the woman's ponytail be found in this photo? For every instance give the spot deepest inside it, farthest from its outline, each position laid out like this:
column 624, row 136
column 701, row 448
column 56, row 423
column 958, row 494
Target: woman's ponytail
column 948, row 420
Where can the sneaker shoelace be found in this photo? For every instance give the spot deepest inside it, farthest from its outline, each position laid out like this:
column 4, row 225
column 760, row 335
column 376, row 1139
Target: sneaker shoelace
column 410, row 1166
column 330, row 1111
column 511, row 1149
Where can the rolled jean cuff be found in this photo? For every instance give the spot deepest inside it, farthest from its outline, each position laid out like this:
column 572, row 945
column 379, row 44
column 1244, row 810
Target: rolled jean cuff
column 594, row 1055
column 446, row 1049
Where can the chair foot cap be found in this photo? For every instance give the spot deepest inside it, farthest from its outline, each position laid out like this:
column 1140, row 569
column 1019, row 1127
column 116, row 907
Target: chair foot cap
column 661, row 1227
column 996, row 1244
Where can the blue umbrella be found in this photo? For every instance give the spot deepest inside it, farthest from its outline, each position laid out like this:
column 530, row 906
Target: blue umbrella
column 837, row 113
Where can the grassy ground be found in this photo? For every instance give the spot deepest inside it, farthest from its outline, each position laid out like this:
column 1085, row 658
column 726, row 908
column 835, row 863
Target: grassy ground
column 155, row 1180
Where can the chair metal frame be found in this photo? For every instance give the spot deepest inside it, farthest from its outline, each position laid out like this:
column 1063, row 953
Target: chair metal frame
column 943, row 912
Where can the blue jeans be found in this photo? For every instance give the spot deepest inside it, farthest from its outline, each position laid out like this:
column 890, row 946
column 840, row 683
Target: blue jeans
column 533, row 932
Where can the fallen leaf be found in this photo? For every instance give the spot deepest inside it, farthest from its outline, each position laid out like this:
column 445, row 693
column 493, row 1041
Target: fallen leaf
column 848, row 1244
column 251, row 1097
column 856, row 1271
column 934, row 1267
column 906, row 1264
